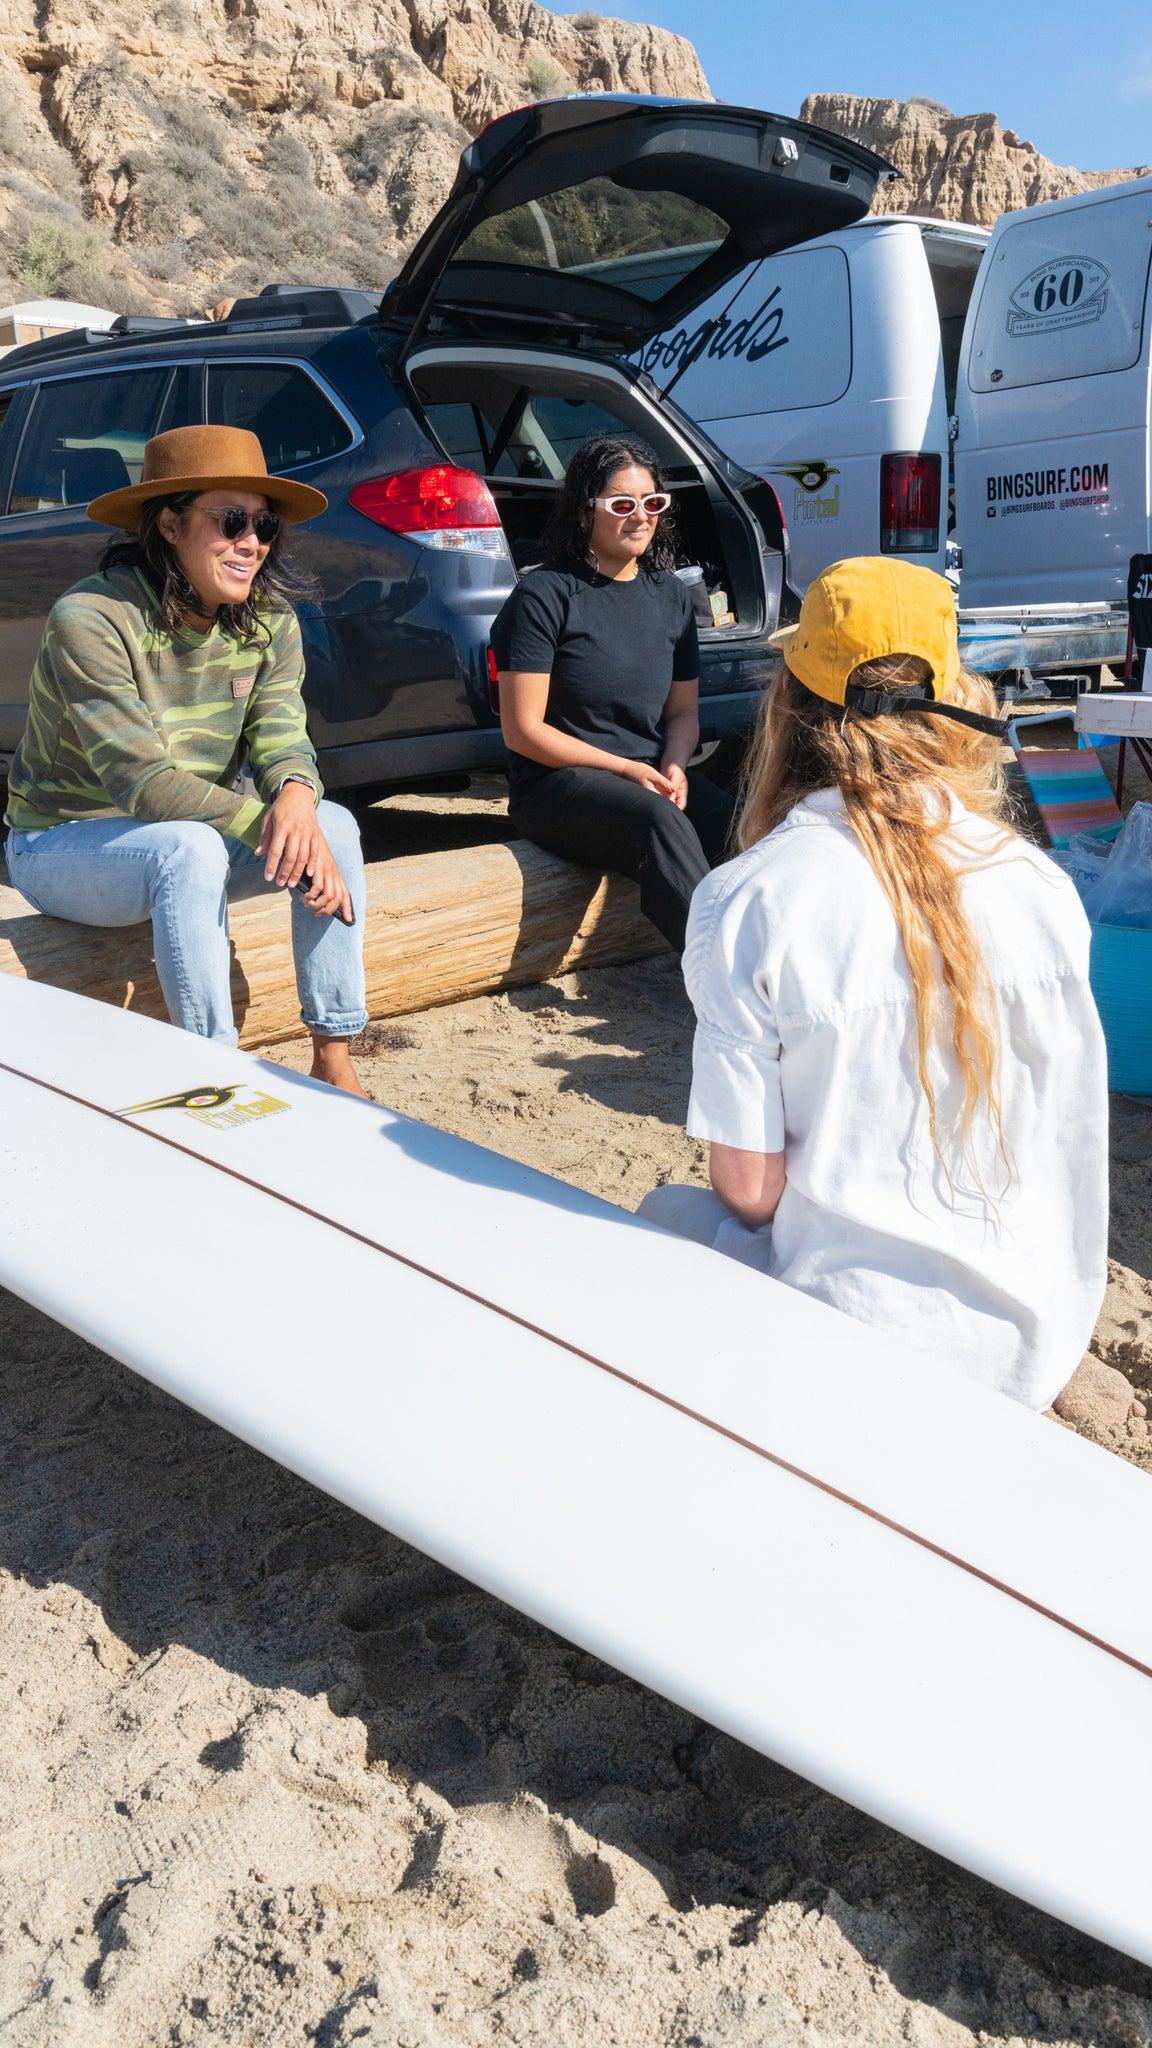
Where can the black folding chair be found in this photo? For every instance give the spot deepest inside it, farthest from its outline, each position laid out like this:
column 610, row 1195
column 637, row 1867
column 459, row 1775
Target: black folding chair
column 1139, row 642
column 1139, row 617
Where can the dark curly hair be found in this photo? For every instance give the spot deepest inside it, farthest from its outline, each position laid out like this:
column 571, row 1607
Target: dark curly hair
column 274, row 588
column 596, row 460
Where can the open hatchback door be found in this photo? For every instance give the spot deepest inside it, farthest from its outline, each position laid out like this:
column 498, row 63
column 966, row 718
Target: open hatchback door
column 595, row 222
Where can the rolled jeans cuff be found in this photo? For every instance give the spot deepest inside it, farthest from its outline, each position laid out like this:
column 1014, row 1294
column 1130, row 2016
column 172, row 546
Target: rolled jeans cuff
column 340, row 1024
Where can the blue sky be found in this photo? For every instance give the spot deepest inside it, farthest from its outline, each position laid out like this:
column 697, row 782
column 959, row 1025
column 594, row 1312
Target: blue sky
column 1072, row 76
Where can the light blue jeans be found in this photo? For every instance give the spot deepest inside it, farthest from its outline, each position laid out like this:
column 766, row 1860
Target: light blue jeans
column 111, row 871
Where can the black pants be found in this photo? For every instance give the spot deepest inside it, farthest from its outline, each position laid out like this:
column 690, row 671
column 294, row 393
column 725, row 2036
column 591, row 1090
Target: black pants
column 601, row 820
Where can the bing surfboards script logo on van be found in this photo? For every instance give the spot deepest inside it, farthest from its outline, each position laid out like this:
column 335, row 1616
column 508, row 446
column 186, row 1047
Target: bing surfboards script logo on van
column 1066, row 293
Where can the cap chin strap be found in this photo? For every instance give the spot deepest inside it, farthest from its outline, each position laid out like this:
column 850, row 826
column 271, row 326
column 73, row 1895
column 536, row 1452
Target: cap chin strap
column 876, row 703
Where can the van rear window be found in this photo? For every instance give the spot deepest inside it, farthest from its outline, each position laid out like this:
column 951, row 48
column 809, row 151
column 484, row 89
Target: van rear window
column 781, row 341
column 1063, row 296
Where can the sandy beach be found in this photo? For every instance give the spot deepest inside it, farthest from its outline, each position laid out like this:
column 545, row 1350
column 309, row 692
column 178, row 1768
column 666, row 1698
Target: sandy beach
column 271, row 1777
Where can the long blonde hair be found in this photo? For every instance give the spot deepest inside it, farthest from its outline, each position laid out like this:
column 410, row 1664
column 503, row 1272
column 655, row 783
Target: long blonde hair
column 896, row 774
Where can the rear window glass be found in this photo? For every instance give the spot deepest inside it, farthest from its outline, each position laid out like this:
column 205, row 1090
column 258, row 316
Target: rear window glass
column 282, row 406
column 86, row 436
column 1063, row 296
column 566, row 422
column 507, row 429
column 782, row 341
column 642, row 241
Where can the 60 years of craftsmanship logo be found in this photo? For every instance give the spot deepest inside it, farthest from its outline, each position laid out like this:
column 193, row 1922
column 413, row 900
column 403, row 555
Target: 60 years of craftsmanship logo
column 1065, row 293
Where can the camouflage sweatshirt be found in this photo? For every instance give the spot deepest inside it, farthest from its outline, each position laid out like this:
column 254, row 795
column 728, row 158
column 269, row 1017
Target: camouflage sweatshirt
column 126, row 719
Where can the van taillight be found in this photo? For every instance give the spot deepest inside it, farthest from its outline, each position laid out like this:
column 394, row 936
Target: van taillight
column 909, row 504
column 493, row 683
column 441, row 507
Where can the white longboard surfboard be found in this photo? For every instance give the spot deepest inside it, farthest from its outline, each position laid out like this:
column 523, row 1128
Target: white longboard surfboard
column 910, row 1590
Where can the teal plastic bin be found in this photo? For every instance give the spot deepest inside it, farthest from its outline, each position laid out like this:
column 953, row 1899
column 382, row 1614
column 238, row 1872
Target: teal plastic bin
column 1121, row 977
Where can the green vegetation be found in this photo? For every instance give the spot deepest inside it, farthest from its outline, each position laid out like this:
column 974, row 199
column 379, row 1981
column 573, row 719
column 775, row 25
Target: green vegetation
column 49, row 256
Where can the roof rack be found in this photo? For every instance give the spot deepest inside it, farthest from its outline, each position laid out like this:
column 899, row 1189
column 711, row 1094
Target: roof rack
column 298, row 305
column 278, row 306
column 130, row 327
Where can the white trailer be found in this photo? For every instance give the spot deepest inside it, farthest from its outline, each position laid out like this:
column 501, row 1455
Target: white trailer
column 36, row 319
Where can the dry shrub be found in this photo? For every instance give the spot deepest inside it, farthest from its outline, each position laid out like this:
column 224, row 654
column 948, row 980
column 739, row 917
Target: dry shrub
column 13, row 131
column 26, row 139
column 176, row 16
column 286, row 157
column 543, row 77
column 391, row 132
column 198, row 128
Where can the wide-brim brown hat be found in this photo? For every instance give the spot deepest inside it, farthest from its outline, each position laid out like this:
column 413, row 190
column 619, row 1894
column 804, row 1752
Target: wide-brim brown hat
column 205, row 459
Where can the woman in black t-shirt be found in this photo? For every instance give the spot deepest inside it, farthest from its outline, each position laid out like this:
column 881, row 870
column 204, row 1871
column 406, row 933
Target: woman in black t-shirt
column 598, row 664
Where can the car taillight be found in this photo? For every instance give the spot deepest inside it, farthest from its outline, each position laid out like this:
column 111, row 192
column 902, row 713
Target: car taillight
column 441, row 507
column 776, row 496
column 493, row 683
column 909, row 504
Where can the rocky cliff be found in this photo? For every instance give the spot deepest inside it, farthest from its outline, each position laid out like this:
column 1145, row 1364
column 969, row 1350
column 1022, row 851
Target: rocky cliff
column 167, row 155
column 954, row 166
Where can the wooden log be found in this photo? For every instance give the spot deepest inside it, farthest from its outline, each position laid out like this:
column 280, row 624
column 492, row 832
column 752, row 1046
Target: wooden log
column 440, row 927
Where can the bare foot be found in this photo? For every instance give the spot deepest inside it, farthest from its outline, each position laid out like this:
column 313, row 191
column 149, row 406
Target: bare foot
column 331, row 1063
column 1099, row 1396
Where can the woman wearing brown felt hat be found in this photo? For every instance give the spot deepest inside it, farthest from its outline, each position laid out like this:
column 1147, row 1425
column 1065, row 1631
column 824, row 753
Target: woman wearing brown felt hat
column 156, row 680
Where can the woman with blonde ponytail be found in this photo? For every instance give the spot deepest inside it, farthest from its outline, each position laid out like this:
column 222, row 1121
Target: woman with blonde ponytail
column 898, row 1065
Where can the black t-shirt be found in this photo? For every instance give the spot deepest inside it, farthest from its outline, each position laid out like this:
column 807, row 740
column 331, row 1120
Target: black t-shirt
column 612, row 650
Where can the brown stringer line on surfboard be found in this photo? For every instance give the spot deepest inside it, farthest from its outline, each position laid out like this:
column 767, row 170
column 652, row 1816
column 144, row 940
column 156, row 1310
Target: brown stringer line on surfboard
column 589, row 1357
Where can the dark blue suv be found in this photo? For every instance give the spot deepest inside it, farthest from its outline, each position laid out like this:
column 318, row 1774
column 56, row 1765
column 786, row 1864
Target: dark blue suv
column 439, row 420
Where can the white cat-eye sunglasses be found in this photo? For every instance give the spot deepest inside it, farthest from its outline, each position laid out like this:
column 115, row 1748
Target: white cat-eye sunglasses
column 622, row 505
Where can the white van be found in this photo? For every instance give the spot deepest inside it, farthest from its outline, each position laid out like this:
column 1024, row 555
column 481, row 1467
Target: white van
column 831, row 372
column 1052, row 442
column 838, row 371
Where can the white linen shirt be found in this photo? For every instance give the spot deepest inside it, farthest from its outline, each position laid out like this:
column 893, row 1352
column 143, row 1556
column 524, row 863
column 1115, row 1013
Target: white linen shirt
column 806, row 1045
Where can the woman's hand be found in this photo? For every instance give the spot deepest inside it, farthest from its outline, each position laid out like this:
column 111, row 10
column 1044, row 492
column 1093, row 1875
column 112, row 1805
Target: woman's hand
column 648, row 777
column 291, row 843
column 681, row 724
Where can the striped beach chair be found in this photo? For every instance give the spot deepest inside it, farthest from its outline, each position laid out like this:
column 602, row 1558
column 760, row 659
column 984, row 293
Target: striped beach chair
column 1070, row 791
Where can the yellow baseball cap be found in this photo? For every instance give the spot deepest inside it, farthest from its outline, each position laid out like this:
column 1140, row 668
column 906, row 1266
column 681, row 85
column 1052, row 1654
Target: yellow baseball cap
column 869, row 606
column 858, row 610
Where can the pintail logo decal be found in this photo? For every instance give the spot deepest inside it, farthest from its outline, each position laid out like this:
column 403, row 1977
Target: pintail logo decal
column 222, row 1109
column 193, row 1098
column 811, row 476
column 811, row 496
